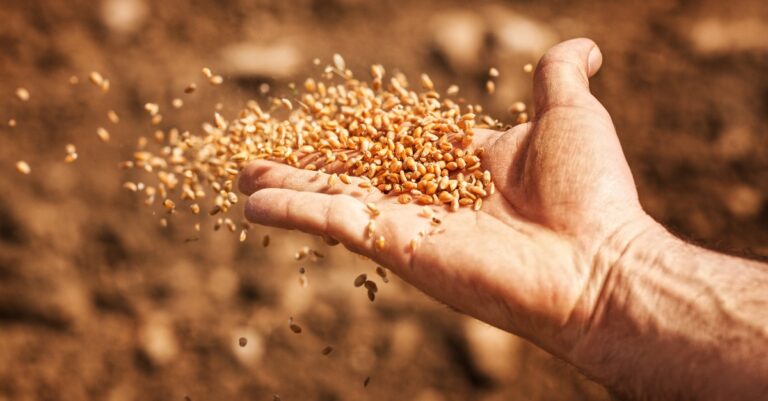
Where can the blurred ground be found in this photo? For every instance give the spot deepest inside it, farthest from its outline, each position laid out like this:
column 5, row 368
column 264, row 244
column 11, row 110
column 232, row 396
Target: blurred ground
column 97, row 301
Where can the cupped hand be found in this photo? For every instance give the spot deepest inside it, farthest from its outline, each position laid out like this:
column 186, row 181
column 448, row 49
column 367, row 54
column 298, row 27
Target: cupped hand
column 534, row 259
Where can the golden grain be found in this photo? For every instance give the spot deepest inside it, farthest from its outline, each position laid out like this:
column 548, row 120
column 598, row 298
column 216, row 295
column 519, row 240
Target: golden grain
column 190, row 88
column 326, row 350
column 493, row 72
column 103, row 134
column 517, row 107
column 381, row 243
column 216, row 80
column 339, row 63
column 23, row 167
column 96, row 78
column 416, row 146
column 528, row 68
column 22, row 94
column 265, row 241
column 370, row 229
column 490, row 87
column 113, row 117
column 373, row 209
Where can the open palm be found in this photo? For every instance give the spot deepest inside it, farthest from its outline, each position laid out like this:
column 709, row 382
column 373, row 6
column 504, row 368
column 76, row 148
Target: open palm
column 532, row 261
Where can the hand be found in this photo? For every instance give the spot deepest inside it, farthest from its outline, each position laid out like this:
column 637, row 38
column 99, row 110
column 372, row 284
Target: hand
column 534, row 259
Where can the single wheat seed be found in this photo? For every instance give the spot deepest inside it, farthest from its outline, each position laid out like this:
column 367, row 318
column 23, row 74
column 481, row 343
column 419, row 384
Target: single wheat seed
column 23, row 167
column 360, row 280
column 22, row 94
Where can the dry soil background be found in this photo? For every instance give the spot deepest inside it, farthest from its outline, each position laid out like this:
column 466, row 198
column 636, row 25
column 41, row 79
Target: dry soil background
column 97, row 301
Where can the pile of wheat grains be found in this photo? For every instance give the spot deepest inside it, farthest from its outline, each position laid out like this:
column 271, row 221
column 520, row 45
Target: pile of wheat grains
column 413, row 144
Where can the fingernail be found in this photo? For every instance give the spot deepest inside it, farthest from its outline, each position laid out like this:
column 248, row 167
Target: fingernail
column 594, row 60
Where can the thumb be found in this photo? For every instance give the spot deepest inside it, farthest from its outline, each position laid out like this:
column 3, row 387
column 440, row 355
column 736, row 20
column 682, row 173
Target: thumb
column 562, row 76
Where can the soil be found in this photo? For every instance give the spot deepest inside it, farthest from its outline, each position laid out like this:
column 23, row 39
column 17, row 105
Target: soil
column 98, row 301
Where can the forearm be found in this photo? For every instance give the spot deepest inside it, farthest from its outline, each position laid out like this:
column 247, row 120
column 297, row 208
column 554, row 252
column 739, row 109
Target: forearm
column 678, row 322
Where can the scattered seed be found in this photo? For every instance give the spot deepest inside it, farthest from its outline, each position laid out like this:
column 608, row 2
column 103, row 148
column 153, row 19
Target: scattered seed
column 327, row 350
column 190, row 88
column 22, row 94
column 360, row 280
column 177, row 103
column 11, row 123
column 242, row 341
column 493, row 72
column 373, row 209
column 371, row 286
column 23, row 167
column 113, row 117
column 371, row 295
column 414, row 244
column 332, row 179
column 478, row 204
column 522, row 118
column 528, row 68
column 71, row 153
column 404, row 199
column 452, row 90
column 370, row 229
column 517, row 107
column 345, row 179
column 216, row 80
column 103, row 134
column 295, row 328
column 490, row 87
column 73, row 80
column 152, row 108
column 243, row 235
column 169, row 204
column 426, row 82
column 265, row 241
column 382, row 272
column 381, row 243
column 366, row 381
column 339, row 63
column 96, row 78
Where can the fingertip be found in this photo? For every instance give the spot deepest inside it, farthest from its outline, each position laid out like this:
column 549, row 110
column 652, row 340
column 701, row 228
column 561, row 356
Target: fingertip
column 594, row 60
column 248, row 180
column 562, row 75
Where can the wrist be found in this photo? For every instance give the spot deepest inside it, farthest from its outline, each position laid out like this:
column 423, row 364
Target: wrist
column 632, row 248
